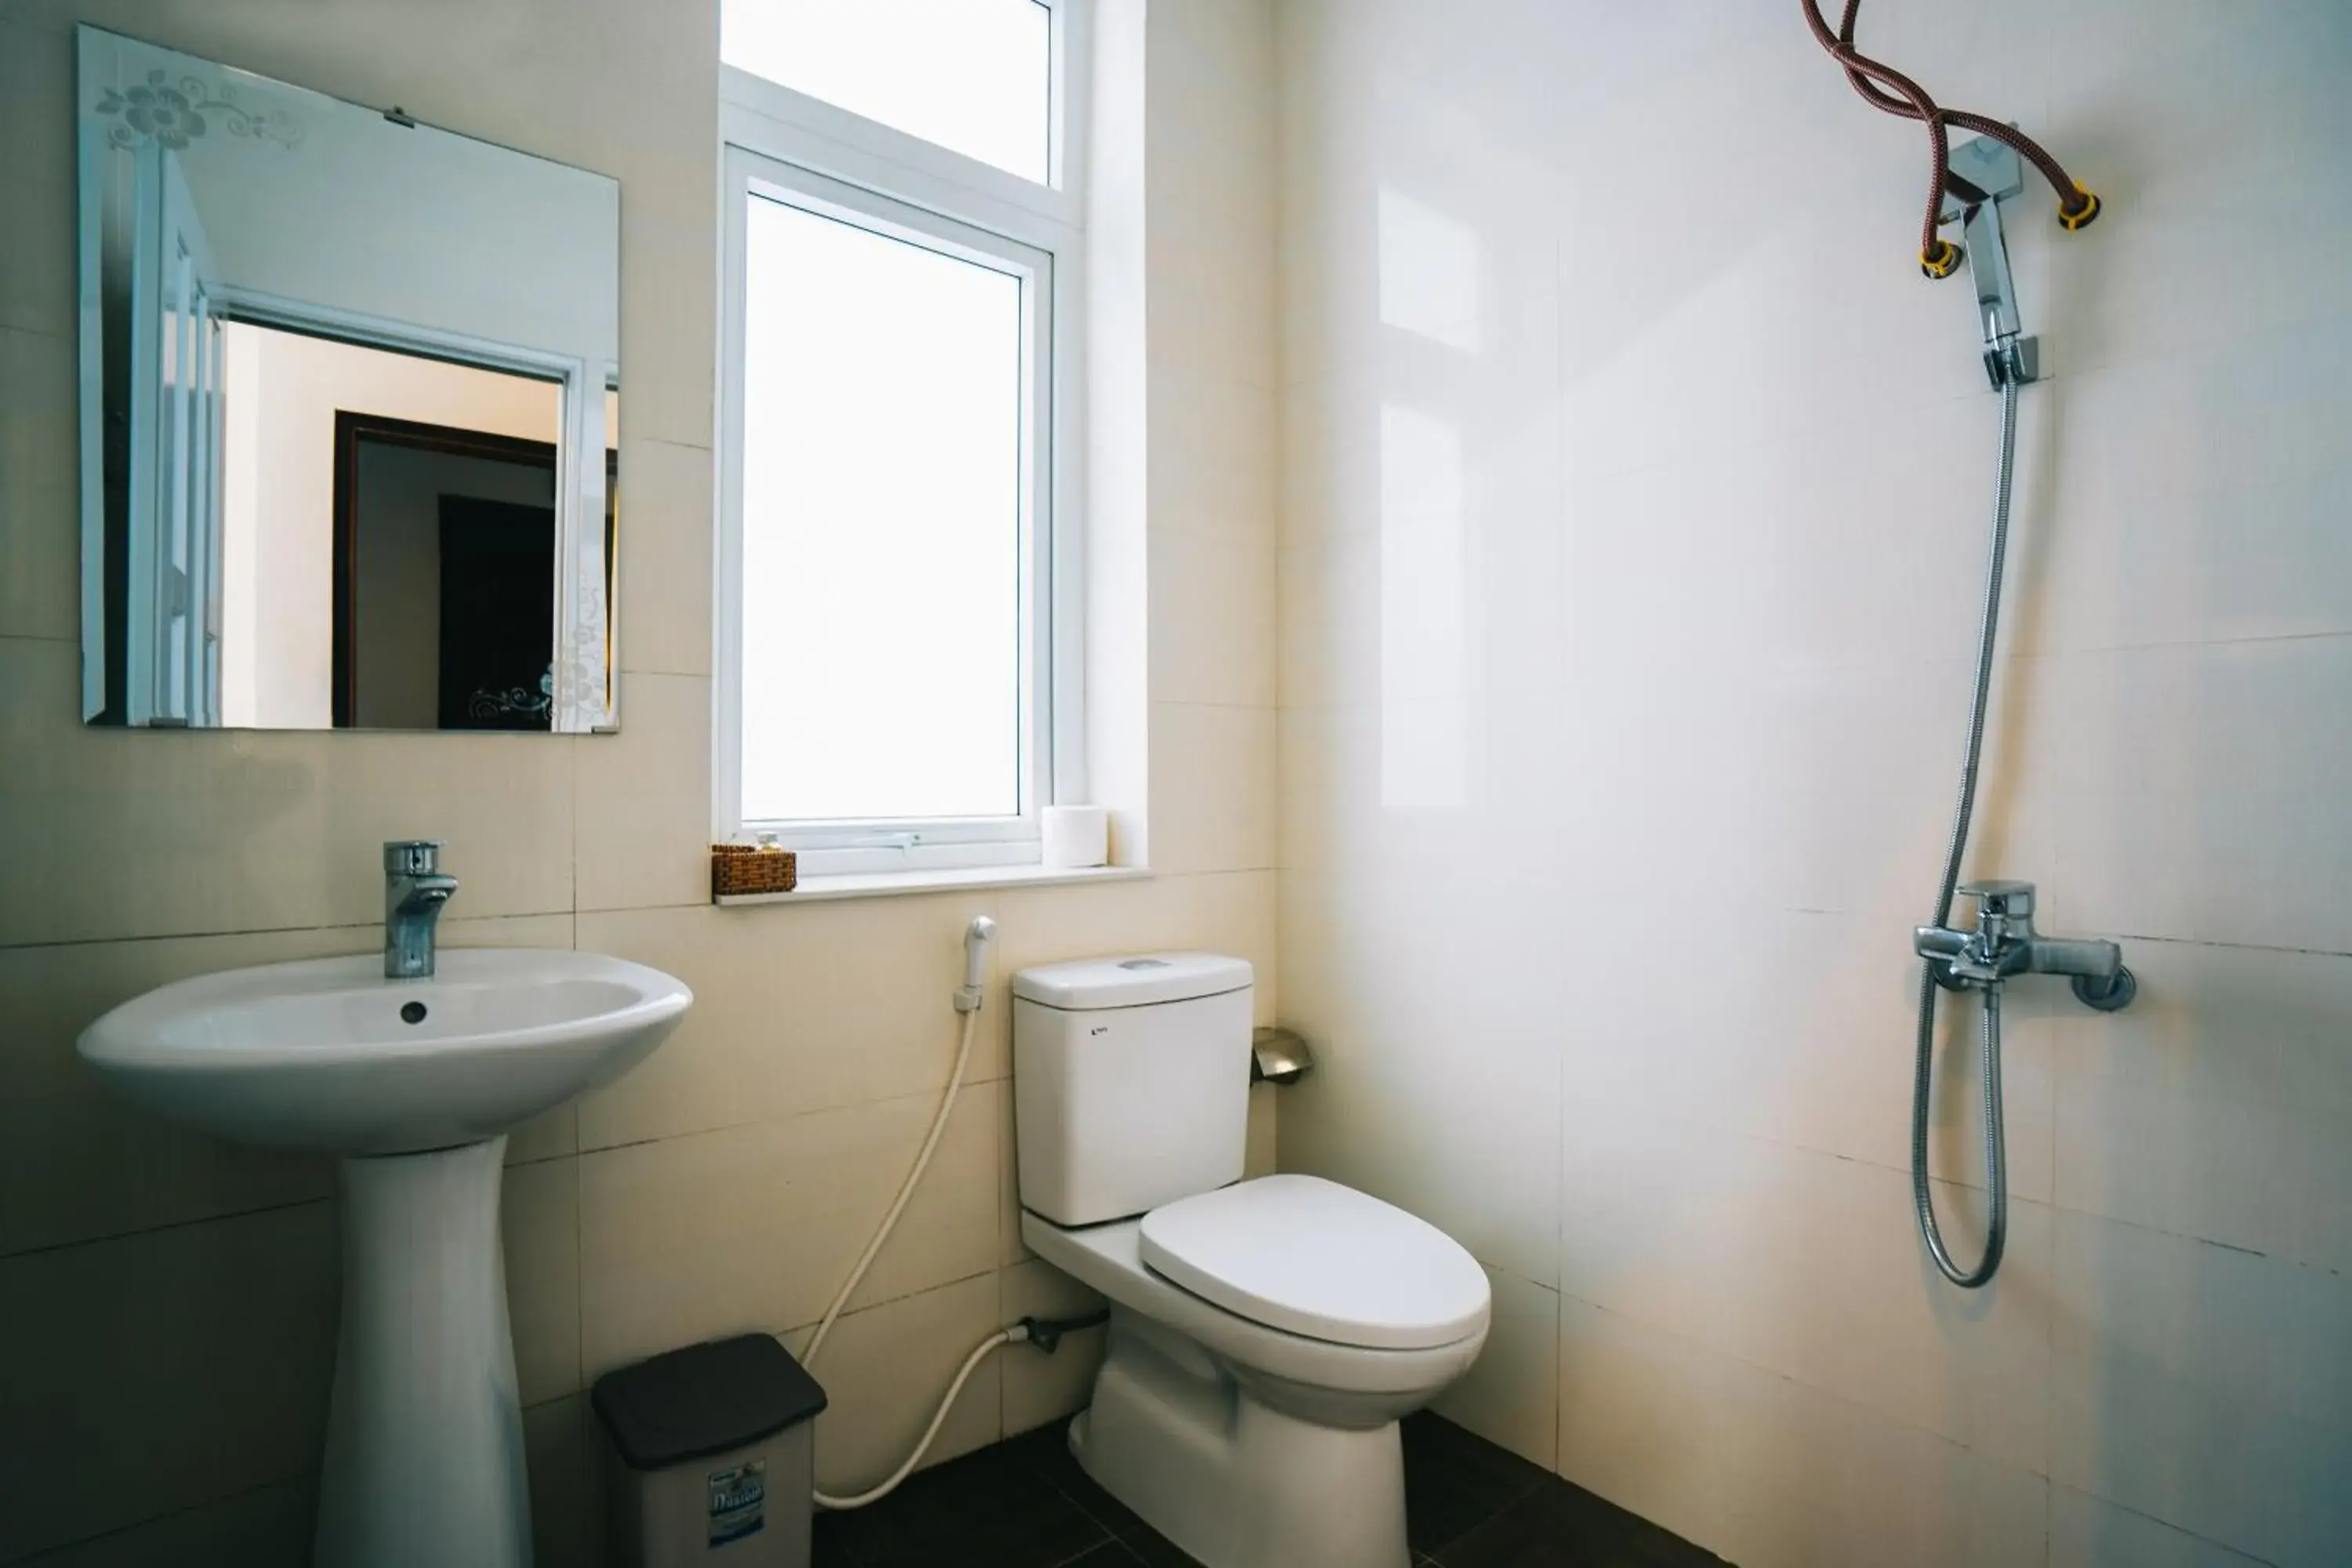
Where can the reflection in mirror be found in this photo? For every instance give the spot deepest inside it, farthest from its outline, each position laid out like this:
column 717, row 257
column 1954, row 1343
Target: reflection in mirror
column 349, row 415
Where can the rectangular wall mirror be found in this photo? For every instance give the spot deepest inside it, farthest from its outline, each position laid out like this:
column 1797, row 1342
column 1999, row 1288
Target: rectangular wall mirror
column 350, row 407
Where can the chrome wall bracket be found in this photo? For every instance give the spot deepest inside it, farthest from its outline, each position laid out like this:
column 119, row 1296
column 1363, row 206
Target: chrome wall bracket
column 1981, row 174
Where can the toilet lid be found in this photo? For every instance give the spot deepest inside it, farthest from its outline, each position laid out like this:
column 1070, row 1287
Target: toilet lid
column 1313, row 1258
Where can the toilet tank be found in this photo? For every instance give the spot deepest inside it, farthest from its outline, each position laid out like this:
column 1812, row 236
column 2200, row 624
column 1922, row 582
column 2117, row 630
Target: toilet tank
column 1130, row 1083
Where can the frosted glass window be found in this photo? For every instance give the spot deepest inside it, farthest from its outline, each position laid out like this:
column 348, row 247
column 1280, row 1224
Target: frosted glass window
column 882, row 551
column 974, row 76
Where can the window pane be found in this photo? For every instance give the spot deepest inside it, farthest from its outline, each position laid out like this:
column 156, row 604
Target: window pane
column 882, row 523
column 975, row 76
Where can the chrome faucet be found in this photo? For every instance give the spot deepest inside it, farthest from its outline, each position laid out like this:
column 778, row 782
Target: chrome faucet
column 414, row 892
column 2005, row 943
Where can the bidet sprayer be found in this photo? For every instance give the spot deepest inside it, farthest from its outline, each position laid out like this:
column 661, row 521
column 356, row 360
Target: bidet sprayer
column 976, row 938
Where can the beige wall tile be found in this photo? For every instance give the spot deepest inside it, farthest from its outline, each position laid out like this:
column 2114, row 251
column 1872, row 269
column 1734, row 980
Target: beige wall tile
column 1215, row 459
column 644, row 798
column 1212, row 789
column 791, row 1101
column 1213, row 620
column 560, row 1442
column 1038, row 1387
column 540, row 1225
column 131, row 835
column 1264, row 1107
column 1511, row 1394
column 796, row 1008
column 220, row 1334
column 666, row 544
column 884, row 1370
column 756, row 1226
column 78, row 1163
column 36, row 256
column 268, row 1528
column 40, row 571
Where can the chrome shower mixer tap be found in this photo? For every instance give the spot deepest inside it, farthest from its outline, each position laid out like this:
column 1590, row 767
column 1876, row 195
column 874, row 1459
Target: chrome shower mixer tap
column 2004, row 943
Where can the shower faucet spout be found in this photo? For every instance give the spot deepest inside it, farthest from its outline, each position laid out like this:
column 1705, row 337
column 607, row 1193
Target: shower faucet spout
column 2004, row 944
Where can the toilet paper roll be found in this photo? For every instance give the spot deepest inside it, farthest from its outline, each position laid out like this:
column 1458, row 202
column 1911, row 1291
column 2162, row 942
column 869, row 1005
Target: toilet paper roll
column 1076, row 836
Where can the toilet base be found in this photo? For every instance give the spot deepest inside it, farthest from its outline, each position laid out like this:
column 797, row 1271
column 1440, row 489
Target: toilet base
column 1231, row 1480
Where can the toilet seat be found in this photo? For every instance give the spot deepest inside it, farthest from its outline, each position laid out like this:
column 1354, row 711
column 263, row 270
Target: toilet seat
column 1312, row 1257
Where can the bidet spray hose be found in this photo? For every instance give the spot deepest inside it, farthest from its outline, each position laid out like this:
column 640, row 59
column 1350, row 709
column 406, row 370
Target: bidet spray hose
column 1922, row 1199
column 977, row 936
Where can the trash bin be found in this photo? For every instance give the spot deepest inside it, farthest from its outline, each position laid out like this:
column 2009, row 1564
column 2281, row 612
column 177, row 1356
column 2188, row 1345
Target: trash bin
column 712, row 1452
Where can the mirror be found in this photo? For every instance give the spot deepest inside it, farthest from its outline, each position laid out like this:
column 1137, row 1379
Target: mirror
column 349, row 413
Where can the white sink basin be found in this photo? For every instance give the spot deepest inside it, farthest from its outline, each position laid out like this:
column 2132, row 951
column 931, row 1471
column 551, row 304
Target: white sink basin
column 331, row 1057
column 415, row 1083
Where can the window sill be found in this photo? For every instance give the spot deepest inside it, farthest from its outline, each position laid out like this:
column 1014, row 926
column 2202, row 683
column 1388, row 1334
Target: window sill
column 889, row 884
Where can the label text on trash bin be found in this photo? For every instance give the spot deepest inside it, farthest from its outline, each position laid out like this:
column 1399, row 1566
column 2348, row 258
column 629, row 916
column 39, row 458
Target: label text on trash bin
column 738, row 1502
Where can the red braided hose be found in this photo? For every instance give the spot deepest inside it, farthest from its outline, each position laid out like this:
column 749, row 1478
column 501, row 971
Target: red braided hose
column 1910, row 101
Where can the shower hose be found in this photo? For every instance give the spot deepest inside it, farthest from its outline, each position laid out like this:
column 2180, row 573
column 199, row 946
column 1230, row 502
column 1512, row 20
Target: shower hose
column 1996, row 1153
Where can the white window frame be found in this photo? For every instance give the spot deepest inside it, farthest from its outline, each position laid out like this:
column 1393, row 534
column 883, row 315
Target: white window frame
column 784, row 145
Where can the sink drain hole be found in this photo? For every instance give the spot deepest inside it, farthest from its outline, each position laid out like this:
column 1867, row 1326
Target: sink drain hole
column 412, row 1012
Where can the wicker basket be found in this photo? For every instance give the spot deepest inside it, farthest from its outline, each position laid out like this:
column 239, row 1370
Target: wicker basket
column 737, row 868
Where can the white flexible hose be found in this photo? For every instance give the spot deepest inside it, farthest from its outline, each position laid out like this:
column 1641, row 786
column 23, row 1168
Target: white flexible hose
column 968, row 1004
column 963, row 1374
column 906, row 1191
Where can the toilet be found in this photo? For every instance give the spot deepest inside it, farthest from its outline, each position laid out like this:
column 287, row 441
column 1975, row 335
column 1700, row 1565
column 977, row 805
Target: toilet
column 1265, row 1335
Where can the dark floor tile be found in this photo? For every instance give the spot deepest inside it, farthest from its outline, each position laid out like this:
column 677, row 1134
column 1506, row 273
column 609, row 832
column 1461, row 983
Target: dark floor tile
column 1559, row 1524
column 1047, row 1451
column 1156, row 1551
column 1109, row 1554
column 986, row 1509
column 1456, row 1481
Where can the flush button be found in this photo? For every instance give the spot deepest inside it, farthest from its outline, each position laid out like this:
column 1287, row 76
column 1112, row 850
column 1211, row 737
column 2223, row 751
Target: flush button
column 1144, row 963
column 412, row 1012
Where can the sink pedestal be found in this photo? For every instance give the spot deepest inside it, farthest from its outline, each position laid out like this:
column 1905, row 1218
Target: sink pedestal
column 424, row 1459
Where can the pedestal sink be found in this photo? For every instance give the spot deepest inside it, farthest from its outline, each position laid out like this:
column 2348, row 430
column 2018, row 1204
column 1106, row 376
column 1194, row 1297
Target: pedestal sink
column 413, row 1085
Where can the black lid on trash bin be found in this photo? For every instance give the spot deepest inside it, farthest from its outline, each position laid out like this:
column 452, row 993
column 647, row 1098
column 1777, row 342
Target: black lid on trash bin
column 703, row 1400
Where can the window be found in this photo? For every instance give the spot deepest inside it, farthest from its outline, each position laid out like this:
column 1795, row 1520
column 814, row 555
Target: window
column 974, row 76
column 898, row 681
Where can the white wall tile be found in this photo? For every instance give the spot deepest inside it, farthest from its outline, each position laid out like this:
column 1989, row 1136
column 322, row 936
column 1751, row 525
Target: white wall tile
column 1806, row 1264
column 1510, row 1396
column 2204, row 1386
column 1754, row 583
column 1767, row 1471
column 2214, row 1106
column 2085, row 1533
